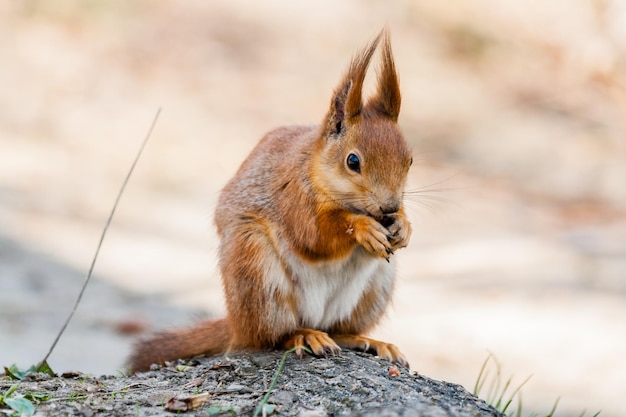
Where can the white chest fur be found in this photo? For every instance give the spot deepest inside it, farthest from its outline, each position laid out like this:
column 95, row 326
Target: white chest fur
column 328, row 292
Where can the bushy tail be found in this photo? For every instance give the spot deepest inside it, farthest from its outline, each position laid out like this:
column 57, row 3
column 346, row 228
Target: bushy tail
column 207, row 337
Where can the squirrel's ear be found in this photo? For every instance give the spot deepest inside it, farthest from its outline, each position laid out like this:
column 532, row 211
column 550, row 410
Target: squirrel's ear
column 387, row 100
column 347, row 103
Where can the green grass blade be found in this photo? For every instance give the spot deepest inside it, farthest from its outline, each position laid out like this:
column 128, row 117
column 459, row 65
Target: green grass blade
column 281, row 365
column 482, row 377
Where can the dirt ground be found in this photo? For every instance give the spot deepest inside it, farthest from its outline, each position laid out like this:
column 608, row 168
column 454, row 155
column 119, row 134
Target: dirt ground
column 515, row 111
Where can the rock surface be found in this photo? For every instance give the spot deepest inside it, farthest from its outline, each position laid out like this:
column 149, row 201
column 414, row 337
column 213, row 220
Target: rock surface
column 352, row 384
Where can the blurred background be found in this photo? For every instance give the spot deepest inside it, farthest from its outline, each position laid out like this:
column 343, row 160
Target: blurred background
column 516, row 111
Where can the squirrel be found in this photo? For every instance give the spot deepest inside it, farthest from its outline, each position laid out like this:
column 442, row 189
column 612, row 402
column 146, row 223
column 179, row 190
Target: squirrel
column 308, row 227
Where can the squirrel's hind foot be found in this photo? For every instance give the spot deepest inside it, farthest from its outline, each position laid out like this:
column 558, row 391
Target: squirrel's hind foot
column 365, row 344
column 315, row 341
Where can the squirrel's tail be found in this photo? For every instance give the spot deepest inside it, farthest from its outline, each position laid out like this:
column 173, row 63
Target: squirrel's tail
column 207, row 337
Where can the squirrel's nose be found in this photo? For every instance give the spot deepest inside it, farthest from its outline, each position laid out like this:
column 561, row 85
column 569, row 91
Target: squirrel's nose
column 390, row 206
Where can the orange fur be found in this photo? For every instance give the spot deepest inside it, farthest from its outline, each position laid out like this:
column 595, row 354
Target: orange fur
column 308, row 227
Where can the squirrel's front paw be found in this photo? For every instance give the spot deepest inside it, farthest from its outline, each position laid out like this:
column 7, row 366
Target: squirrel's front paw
column 370, row 234
column 399, row 229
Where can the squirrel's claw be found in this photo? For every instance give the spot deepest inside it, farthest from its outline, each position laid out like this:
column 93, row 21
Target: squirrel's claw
column 312, row 341
column 384, row 350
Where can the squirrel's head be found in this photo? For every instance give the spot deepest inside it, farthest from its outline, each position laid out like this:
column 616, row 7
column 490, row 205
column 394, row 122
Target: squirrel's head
column 363, row 159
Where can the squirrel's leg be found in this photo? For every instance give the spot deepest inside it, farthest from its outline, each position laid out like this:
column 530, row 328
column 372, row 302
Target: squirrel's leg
column 317, row 341
column 258, row 292
column 365, row 344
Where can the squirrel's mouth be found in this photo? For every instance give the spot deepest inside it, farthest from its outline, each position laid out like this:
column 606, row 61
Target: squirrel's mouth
column 386, row 221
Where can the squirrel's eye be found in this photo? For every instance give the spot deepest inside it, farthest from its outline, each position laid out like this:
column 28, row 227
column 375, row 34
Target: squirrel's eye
column 353, row 163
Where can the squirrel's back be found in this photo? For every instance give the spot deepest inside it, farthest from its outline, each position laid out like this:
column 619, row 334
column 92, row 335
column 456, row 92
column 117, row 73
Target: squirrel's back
column 277, row 160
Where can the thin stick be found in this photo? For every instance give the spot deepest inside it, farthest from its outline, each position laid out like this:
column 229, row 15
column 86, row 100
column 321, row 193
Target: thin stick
column 104, row 231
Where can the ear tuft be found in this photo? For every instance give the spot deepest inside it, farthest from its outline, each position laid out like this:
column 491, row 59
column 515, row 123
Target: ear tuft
column 347, row 102
column 339, row 107
column 387, row 100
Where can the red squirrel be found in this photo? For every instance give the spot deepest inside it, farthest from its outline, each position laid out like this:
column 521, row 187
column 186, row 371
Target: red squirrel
column 308, row 227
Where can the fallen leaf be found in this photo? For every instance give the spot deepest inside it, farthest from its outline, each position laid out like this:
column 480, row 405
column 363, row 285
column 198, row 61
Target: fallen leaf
column 186, row 403
column 221, row 365
column 195, row 383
